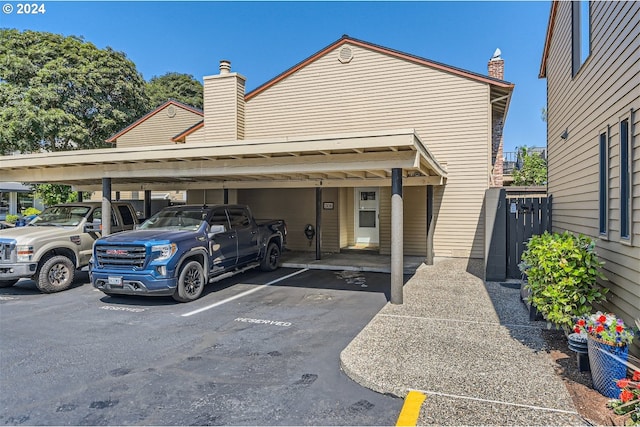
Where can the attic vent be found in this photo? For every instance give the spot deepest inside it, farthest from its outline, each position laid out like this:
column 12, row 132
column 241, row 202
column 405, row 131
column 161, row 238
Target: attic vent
column 171, row 111
column 345, row 55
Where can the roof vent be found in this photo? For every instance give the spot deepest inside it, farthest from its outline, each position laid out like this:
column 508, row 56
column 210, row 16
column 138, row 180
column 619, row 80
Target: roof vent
column 345, row 55
column 225, row 66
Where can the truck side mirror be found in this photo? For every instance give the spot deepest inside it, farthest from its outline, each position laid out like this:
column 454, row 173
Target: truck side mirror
column 216, row 229
column 93, row 227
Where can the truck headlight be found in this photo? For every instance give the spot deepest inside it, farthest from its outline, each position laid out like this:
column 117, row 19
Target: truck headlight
column 24, row 252
column 163, row 252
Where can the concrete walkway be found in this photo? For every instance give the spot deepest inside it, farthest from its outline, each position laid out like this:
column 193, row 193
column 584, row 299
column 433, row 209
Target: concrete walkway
column 466, row 344
column 348, row 261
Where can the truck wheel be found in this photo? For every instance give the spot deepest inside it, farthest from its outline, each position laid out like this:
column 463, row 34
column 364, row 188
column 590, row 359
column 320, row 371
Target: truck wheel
column 7, row 283
column 190, row 282
column 55, row 274
column 271, row 258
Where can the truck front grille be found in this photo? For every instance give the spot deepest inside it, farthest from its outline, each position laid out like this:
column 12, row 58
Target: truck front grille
column 124, row 257
column 5, row 251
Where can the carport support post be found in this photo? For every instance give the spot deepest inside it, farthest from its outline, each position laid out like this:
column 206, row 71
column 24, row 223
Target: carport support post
column 106, row 206
column 429, row 258
column 147, row 204
column 397, row 232
column 318, row 222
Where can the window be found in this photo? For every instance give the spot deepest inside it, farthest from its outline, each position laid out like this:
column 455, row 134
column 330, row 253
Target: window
column 97, row 216
column 238, row 218
column 604, row 181
column 219, row 217
column 625, row 181
column 581, row 33
column 125, row 213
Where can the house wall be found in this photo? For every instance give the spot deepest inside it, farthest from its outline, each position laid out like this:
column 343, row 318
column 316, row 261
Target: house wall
column 346, row 232
column 297, row 206
column 376, row 92
column 414, row 200
column 159, row 128
column 605, row 89
column 197, row 136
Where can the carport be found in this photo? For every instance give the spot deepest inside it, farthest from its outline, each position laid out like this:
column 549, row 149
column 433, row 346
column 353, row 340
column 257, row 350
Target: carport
column 395, row 158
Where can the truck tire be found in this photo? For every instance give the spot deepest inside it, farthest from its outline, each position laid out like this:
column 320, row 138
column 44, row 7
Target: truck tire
column 271, row 258
column 190, row 282
column 55, row 274
column 7, row 283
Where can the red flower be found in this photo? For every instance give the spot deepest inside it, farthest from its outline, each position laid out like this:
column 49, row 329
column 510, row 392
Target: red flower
column 636, row 376
column 619, row 329
column 582, row 322
column 626, row 395
column 590, row 328
column 602, row 318
column 622, row 383
column 599, row 328
column 576, row 329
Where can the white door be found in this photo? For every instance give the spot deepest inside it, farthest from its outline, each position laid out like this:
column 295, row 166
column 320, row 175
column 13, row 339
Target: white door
column 366, row 216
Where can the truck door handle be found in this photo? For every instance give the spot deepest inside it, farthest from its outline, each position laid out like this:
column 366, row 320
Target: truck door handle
column 254, row 232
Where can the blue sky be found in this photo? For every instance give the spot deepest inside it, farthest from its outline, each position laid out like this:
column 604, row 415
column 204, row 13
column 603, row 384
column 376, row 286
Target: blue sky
column 262, row 39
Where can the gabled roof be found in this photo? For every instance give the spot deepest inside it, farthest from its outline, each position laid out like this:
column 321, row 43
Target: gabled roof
column 182, row 135
column 395, row 53
column 547, row 41
column 153, row 113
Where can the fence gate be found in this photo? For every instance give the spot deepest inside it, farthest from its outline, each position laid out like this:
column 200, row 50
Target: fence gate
column 526, row 216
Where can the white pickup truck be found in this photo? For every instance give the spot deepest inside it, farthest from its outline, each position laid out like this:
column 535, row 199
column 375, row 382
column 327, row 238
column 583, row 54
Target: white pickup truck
column 57, row 242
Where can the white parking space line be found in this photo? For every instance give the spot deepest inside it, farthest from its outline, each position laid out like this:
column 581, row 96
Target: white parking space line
column 250, row 291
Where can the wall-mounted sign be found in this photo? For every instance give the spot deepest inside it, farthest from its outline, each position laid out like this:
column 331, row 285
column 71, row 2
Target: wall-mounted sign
column 327, row 206
column 514, row 208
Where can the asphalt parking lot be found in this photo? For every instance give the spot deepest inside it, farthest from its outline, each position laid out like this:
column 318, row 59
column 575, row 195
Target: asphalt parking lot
column 256, row 349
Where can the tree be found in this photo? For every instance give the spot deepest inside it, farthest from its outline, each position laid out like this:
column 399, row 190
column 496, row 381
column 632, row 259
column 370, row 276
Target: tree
column 181, row 87
column 533, row 170
column 62, row 93
column 52, row 194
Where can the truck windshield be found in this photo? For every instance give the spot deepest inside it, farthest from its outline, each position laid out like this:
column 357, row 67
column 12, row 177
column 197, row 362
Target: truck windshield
column 175, row 220
column 61, row 216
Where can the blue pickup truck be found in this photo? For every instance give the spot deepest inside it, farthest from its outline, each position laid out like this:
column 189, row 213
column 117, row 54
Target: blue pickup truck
column 182, row 248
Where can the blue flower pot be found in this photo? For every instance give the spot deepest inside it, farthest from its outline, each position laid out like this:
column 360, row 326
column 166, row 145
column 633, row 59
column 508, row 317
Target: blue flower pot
column 606, row 370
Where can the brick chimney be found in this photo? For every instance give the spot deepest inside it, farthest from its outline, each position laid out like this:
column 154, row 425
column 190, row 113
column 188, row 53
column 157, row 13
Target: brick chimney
column 496, row 70
column 496, row 66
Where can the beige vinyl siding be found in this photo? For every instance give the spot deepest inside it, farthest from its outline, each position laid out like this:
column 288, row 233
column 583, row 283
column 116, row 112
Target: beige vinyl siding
column 204, row 197
column 384, row 214
column 195, row 137
column 414, row 219
column 296, row 206
column 377, row 92
column 343, row 220
column 604, row 92
column 240, row 110
column 330, row 221
column 223, row 101
column 351, row 217
column 159, row 128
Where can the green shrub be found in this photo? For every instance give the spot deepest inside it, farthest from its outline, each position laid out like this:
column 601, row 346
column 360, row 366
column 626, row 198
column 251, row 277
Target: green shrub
column 562, row 270
column 11, row 219
column 31, row 211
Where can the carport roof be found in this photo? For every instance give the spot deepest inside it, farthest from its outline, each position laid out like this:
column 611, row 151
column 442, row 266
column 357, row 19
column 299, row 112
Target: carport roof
column 343, row 160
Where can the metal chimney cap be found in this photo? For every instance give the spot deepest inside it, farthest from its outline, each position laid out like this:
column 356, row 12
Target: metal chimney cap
column 225, row 66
